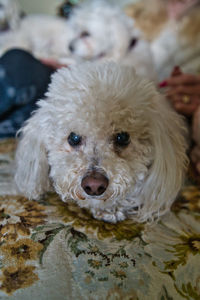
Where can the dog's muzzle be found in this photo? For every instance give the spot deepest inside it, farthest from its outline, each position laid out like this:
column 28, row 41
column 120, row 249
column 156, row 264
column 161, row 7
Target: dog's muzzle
column 94, row 183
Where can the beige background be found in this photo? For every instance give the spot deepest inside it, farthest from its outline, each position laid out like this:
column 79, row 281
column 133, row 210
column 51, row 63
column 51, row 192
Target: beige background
column 50, row 6
column 40, row 6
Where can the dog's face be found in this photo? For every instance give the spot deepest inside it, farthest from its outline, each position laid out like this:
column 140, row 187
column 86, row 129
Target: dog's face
column 9, row 14
column 100, row 31
column 100, row 144
column 101, row 150
column 89, row 42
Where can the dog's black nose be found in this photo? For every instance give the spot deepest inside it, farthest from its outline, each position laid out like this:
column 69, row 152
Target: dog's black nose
column 71, row 47
column 95, row 184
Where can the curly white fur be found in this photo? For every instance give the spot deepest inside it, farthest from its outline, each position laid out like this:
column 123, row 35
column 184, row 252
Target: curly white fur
column 102, row 31
column 97, row 101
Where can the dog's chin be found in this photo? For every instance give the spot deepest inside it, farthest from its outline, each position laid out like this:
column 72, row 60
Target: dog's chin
column 94, row 56
column 86, row 201
column 102, row 208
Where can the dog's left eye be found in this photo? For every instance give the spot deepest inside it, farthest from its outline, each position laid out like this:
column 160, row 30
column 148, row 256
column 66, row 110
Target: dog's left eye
column 122, row 139
column 74, row 139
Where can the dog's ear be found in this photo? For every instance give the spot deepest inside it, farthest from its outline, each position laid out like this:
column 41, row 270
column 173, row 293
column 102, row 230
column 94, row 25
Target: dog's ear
column 31, row 160
column 169, row 135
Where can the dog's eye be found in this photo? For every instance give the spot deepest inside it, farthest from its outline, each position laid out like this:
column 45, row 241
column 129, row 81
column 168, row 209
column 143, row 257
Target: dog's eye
column 84, row 34
column 74, row 139
column 122, row 139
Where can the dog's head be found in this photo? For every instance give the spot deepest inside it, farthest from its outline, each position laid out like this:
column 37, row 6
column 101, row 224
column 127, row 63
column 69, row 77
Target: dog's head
column 9, row 14
column 100, row 31
column 105, row 138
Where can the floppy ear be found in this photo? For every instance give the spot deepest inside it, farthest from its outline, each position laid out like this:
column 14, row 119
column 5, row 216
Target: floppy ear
column 31, row 160
column 170, row 160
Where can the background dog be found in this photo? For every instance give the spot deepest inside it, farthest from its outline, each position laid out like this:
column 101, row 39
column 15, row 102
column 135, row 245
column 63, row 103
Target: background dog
column 175, row 41
column 9, row 15
column 95, row 30
column 102, row 31
column 9, row 20
column 43, row 35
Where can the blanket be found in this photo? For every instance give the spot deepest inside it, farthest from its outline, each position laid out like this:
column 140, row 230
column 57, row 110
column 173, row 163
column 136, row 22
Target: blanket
column 57, row 251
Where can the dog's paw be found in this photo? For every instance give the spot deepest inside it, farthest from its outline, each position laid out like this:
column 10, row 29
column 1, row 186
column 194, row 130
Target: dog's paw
column 109, row 216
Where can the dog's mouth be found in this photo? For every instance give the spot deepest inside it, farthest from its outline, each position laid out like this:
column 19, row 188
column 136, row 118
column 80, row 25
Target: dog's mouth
column 101, row 55
column 81, row 197
column 97, row 57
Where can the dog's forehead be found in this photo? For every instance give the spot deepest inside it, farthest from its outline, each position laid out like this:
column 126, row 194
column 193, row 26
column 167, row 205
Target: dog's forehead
column 99, row 97
column 100, row 119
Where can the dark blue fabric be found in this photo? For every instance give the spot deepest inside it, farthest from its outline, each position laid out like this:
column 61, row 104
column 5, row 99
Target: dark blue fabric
column 23, row 80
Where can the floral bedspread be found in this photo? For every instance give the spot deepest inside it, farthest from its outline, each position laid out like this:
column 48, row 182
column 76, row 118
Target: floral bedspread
column 50, row 250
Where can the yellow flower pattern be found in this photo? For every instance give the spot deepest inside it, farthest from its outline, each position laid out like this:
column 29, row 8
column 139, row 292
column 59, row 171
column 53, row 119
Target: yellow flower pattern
column 22, row 250
column 17, row 277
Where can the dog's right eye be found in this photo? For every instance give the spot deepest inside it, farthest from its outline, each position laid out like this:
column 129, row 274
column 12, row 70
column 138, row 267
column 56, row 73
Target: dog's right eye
column 74, row 139
column 122, row 139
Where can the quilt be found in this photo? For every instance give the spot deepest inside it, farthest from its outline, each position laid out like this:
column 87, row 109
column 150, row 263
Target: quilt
column 57, row 251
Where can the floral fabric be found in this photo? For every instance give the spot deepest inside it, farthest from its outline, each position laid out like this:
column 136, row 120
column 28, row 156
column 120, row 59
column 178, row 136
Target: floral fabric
column 51, row 250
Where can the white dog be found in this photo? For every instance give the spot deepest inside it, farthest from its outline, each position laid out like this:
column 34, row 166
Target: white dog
column 177, row 43
column 172, row 27
column 102, row 31
column 9, row 21
column 44, row 36
column 106, row 139
column 96, row 30
column 9, row 15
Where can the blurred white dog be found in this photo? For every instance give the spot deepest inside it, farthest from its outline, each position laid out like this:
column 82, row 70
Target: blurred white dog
column 179, row 45
column 172, row 27
column 103, row 31
column 96, row 30
column 9, row 20
column 44, row 36
column 106, row 139
column 9, row 15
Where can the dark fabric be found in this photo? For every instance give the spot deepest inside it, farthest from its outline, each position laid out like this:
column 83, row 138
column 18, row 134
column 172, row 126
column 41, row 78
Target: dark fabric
column 23, row 80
